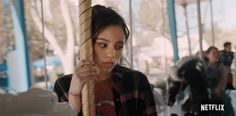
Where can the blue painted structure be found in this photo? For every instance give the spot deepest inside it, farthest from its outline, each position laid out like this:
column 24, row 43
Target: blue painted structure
column 53, row 60
column 21, row 66
column 3, row 67
column 3, row 81
column 172, row 25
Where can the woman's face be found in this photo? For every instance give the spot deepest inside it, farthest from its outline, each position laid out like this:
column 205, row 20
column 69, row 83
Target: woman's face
column 213, row 56
column 108, row 48
column 228, row 48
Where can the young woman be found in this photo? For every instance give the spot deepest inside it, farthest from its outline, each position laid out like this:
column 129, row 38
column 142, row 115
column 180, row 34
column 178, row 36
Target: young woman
column 118, row 90
column 216, row 76
column 216, row 71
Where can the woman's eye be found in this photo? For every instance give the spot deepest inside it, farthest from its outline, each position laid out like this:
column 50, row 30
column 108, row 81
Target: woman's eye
column 119, row 47
column 102, row 45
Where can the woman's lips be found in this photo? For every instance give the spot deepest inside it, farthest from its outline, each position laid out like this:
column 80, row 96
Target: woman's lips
column 108, row 64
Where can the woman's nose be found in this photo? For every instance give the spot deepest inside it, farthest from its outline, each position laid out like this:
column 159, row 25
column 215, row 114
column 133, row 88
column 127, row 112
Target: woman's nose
column 111, row 52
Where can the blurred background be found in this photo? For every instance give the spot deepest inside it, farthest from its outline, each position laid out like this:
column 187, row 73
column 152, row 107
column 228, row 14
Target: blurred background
column 25, row 45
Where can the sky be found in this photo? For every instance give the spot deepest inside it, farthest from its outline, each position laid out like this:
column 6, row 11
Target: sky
column 227, row 15
column 223, row 11
column 223, row 15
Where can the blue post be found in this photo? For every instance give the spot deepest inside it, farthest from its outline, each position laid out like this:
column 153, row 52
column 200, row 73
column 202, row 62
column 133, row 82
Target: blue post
column 4, row 81
column 172, row 25
column 21, row 65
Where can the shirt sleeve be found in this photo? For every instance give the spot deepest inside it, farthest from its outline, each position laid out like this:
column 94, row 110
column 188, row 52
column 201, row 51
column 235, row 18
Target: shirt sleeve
column 61, row 87
column 60, row 90
column 150, row 106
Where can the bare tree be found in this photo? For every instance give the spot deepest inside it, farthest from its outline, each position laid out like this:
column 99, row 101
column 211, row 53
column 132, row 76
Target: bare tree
column 6, row 31
column 55, row 41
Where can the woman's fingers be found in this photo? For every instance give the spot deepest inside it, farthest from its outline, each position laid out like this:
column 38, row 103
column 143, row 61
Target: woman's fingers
column 88, row 76
column 85, row 62
column 86, row 70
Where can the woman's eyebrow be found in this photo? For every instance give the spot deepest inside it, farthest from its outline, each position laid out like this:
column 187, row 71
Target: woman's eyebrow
column 103, row 39
column 120, row 42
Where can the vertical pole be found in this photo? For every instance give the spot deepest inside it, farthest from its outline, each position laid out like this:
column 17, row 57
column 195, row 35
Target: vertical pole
column 44, row 47
column 164, row 29
column 22, row 81
column 86, row 52
column 187, row 30
column 199, row 26
column 212, row 25
column 131, row 33
column 172, row 25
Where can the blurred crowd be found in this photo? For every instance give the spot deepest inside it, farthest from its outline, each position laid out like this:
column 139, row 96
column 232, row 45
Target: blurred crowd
column 206, row 78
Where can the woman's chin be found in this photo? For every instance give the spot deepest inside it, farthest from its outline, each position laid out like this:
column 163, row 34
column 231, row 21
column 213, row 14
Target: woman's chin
column 107, row 69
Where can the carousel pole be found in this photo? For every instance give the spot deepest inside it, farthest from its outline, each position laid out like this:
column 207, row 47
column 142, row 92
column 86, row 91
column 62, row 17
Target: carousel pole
column 200, row 27
column 131, row 33
column 86, row 53
column 172, row 25
column 212, row 24
column 184, row 4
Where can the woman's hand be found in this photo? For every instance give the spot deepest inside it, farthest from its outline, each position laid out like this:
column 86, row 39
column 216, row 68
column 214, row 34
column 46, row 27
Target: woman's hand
column 86, row 70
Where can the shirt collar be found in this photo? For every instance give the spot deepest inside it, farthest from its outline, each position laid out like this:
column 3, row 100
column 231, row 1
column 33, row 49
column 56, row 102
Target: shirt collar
column 117, row 71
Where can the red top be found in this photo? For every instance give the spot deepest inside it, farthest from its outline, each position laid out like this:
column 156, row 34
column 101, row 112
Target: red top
column 104, row 98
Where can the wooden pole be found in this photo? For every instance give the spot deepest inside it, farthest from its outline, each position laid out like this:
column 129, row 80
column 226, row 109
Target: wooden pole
column 86, row 53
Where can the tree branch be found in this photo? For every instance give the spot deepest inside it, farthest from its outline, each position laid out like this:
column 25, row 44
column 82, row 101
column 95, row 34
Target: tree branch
column 69, row 29
column 48, row 35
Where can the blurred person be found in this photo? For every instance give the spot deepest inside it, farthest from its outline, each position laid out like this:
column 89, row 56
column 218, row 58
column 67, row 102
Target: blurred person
column 206, row 81
column 118, row 90
column 216, row 71
column 226, row 57
column 216, row 80
column 234, row 76
column 188, row 75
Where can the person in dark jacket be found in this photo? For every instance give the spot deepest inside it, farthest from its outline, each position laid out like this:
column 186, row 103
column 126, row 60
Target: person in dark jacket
column 216, row 79
column 226, row 57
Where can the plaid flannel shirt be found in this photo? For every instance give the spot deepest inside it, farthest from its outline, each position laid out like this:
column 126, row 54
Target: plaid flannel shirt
column 132, row 92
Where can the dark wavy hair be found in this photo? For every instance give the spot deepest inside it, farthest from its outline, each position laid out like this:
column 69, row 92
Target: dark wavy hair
column 208, row 51
column 226, row 44
column 103, row 17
